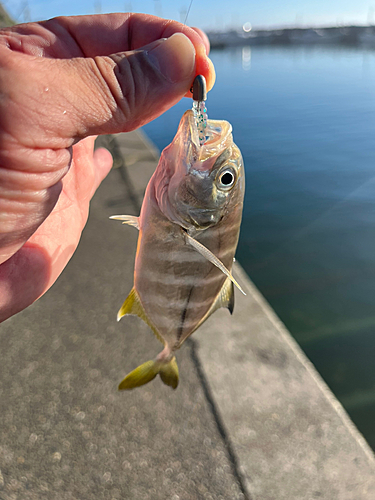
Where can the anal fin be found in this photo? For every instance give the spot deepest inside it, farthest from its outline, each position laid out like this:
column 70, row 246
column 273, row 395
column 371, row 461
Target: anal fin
column 225, row 298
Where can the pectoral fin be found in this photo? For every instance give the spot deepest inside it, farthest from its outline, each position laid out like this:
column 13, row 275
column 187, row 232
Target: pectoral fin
column 131, row 220
column 207, row 254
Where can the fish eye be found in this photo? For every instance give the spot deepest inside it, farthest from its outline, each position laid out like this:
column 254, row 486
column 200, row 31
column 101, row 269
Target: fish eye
column 227, row 178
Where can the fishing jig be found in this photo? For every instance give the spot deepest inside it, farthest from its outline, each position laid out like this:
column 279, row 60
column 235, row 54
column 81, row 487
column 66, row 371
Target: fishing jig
column 199, row 107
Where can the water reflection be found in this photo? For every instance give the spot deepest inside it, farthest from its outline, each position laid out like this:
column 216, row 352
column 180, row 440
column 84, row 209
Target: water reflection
column 246, row 58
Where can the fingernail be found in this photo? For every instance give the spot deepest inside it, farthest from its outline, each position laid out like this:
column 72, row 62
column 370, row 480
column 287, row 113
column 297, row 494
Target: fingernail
column 212, row 74
column 174, row 58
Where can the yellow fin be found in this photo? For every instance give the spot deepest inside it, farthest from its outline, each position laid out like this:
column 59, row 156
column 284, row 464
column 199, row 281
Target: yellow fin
column 133, row 305
column 140, row 376
column 225, row 298
column 148, row 371
column 169, row 373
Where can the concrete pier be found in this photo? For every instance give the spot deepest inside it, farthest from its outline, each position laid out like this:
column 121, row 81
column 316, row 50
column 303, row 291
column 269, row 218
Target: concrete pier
column 251, row 418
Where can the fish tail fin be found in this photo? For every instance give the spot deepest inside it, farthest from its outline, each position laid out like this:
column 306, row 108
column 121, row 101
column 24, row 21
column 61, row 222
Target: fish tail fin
column 146, row 372
column 140, row 376
column 169, row 373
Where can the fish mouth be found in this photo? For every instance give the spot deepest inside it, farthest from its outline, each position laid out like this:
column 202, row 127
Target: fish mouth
column 218, row 136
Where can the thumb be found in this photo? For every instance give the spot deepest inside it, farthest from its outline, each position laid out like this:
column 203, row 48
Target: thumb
column 132, row 88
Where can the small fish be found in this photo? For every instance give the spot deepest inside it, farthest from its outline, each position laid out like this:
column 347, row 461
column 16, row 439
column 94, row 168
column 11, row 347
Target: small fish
column 188, row 233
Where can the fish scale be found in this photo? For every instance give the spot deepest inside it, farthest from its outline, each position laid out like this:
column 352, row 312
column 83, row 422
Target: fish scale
column 175, row 255
column 188, row 233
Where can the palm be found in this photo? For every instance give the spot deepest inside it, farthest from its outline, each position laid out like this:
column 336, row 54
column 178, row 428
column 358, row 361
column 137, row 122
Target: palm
column 59, row 234
column 35, row 267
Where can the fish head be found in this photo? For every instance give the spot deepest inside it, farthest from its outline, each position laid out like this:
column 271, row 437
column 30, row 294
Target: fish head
column 202, row 183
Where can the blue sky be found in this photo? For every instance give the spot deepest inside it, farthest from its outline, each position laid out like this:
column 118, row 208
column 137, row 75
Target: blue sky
column 210, row 13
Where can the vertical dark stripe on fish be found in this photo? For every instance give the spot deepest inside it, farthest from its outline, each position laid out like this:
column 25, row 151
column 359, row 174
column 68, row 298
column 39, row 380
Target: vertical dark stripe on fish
column 183, row 317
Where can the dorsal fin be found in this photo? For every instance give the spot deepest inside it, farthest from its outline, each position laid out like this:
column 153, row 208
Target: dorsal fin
column 130, row 220
column 133, row 305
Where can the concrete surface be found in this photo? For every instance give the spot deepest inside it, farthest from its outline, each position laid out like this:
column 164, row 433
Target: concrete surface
column 291, row 437
column 251, row 418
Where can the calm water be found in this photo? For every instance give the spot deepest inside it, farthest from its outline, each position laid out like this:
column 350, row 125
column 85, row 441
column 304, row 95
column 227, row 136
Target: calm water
column 304, row 119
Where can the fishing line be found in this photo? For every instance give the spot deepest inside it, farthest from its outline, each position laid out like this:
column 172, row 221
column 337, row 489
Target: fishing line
column 188, row 11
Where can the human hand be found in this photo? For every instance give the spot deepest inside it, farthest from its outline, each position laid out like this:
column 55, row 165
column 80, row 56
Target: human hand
column 62, row 82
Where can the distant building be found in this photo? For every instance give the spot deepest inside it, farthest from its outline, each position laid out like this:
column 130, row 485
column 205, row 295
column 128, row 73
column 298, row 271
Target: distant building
column 344, row 35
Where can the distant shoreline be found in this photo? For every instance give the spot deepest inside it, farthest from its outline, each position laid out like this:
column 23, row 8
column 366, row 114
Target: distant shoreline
column 343, row 35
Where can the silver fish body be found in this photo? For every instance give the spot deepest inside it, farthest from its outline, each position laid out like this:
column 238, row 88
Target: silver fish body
column 188, row 226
